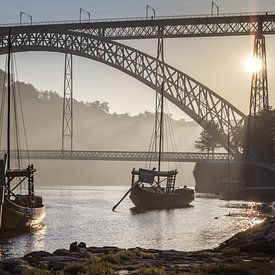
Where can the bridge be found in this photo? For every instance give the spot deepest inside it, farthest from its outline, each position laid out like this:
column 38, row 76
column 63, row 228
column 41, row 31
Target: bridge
column 122, row 156
column 98, row 40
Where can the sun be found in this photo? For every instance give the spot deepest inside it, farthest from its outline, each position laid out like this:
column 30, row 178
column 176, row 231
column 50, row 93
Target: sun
column 252, row 64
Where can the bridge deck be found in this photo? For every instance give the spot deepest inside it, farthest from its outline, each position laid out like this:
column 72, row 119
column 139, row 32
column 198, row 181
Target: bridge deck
column 179, row 26
column 123, row 156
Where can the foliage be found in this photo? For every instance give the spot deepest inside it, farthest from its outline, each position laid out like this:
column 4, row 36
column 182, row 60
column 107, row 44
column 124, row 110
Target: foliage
column 151, row 271
column 206, row 143
column 100, row 106
column 94, row 266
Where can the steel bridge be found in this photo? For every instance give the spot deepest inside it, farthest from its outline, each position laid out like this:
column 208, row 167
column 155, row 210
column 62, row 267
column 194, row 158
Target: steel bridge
column 96, row 40
column 122, row 156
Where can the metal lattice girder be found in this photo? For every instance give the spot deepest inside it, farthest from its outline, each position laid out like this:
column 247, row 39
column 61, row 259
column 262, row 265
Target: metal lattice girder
column 123, row 155
column 184, row 27
column 142, row 28
column 67, row 122
column 199, row 102
column 259, row 87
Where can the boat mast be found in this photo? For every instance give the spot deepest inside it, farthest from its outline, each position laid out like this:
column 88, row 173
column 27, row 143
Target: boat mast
column 160, row 128
column 9, row 113
column 9, row 102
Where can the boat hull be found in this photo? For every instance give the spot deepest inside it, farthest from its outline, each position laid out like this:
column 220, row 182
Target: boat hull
column 16, row 218
column 150, row 198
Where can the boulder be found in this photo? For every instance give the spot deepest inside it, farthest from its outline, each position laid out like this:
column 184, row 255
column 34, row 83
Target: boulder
column 36, row 257
column 73, row 247
column 82, row 245
column 11, row 264
column 62, row 252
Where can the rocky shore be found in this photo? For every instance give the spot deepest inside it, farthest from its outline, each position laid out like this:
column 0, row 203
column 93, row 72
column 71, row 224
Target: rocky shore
column 248, row 252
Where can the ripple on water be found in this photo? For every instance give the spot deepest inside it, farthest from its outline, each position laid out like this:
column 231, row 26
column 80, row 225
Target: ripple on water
column 76, row 214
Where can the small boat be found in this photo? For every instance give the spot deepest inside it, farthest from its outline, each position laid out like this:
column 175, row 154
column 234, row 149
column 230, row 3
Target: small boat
column 156, row 189
column 154, row 196
column 20, row 208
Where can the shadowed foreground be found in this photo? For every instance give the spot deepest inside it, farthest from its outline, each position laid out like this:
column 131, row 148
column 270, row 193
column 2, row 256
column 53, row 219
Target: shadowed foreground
column 248, row 252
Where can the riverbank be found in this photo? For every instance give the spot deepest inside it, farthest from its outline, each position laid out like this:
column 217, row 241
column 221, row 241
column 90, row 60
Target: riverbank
column 248, row 252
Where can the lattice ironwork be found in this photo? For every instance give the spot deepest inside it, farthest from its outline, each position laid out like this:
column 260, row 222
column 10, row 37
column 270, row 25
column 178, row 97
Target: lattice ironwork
column 144, row 28
column 259, row 87
column 124, row 155
column 183, row 27
column 67, row 121
column 199, row 102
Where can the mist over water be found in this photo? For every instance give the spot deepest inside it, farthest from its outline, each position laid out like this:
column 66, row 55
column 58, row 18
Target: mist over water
column 85, row 214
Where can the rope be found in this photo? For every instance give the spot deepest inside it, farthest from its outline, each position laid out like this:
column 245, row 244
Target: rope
column 22, row 112
column 2, row 111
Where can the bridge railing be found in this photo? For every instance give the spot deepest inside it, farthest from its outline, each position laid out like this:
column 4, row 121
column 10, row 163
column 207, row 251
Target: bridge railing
column 125, row 19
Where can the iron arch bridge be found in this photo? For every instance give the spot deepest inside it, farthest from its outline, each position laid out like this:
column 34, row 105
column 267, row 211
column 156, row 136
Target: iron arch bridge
column 220, row 118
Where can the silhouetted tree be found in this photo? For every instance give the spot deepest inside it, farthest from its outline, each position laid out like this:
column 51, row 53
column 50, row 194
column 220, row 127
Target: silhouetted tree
column 206, row 143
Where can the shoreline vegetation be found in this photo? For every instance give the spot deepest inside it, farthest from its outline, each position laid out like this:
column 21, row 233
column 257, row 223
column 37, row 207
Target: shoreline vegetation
column 249, row 252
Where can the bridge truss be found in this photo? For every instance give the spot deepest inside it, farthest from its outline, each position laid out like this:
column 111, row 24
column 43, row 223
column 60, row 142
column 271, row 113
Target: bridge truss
column 199, row 102
column 94, row 40
column 122, row 156
column 173, row 27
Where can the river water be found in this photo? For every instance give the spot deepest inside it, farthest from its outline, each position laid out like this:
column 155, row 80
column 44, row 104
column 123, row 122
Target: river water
column 85, row 214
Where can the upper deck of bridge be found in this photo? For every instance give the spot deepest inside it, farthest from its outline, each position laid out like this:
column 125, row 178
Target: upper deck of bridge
column 165, row 26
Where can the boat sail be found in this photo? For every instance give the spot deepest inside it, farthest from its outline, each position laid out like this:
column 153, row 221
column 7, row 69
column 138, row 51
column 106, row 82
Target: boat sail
column 20, row 208
column 156, row 188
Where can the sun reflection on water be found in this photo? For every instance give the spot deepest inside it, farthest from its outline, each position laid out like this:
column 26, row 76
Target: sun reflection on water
column 248, row 213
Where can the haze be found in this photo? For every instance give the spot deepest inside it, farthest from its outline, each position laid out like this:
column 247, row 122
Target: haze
column 216, row 62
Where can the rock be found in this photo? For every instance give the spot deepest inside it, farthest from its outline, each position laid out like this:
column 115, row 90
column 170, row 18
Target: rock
column 36, row 257
column 82, row 245
column 62, row 252
column 73, row 247
column 257, row 246
column 105, row 249
column 57, row 263
column 22, row 268
column 11, row 264
column 270, row 237
column 3, row 272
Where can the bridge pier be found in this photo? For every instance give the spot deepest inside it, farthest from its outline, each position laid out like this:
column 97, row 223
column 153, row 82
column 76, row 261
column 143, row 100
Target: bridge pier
column 259, row 145
column 67, row 121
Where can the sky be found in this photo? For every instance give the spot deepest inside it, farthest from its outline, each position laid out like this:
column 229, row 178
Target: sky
column 218, row 62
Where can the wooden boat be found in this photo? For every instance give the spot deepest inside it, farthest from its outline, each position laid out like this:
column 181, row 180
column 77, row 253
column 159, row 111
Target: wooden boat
column 156, row 197
column 155, row 189
column 20, row 208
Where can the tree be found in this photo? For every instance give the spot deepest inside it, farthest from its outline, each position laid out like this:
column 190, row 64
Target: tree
column 206, row 143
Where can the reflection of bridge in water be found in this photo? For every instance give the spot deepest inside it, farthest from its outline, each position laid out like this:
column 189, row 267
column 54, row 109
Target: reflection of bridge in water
column 96, row 40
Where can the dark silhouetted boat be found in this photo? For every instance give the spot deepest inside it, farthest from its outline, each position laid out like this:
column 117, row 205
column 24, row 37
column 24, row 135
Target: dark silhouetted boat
column 156, row 189
column 20, row 208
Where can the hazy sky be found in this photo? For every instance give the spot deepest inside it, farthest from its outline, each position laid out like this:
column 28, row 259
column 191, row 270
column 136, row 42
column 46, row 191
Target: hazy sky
column 216, row 62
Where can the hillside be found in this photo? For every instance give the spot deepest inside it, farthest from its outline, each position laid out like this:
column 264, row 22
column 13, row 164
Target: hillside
column 95, row 128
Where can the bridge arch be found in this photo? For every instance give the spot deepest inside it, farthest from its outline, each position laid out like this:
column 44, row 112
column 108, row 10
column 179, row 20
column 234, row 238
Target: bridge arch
column 195, row 99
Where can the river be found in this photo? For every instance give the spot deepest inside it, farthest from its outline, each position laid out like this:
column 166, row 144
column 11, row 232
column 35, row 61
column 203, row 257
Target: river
column 85, row 214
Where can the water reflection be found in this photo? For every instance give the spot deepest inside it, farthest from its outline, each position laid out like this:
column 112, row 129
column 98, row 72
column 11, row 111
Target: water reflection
column 26, row 242
column 136, row 210
column 86, row 215
column 249, row 213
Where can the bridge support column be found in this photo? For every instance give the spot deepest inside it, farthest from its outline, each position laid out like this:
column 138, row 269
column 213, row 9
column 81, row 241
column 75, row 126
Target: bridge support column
column 259, row 137
column 259, row 87
column 67, row 122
